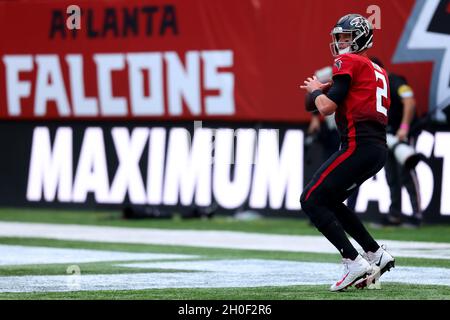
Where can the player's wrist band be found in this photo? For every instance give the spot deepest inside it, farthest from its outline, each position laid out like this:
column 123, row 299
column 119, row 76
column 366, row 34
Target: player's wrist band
column 315, row 94
column 404, row 126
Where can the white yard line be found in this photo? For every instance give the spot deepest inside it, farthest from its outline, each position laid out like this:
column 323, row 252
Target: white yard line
column 20, row 255
column 208, row 239
column 213, row 274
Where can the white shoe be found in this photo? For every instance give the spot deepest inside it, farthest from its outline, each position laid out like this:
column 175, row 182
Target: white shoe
column 354, row 270
column 380, row 261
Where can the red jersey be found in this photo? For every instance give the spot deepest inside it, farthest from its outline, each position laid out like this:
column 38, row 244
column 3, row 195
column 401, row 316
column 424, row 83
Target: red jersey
column 364, row 111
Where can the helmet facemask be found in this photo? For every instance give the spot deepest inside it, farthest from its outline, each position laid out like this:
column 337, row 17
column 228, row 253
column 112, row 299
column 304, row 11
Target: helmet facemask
column 340, row 47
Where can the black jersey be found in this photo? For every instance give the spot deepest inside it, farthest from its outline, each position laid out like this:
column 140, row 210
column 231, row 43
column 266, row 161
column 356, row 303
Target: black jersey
column 399, row 89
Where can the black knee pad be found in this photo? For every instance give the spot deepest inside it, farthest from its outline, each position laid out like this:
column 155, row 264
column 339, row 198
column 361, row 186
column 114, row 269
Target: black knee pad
column 318, row 214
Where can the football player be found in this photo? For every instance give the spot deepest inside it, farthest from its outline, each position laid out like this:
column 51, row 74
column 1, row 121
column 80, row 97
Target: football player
column 359, row 96
column 401, row 116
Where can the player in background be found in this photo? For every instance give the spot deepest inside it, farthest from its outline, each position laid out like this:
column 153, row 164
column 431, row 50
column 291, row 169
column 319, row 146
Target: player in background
column 359, row 97
column 401, row 117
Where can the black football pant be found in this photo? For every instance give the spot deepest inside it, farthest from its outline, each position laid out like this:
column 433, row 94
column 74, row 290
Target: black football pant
column 322, row 199
column 397, row 176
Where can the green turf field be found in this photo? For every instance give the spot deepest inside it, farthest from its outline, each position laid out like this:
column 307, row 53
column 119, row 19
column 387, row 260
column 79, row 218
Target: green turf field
column 390, row 290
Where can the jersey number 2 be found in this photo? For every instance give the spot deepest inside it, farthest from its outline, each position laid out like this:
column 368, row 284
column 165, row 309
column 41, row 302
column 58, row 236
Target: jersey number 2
column 381, row 92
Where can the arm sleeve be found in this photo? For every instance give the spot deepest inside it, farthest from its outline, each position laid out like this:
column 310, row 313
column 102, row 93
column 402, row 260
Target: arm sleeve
column 340, row 88
column 405, row 91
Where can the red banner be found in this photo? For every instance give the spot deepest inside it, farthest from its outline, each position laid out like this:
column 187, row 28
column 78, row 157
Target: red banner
column 178, row 59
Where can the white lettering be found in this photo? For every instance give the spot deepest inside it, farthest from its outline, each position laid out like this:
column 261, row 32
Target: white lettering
column 278, row 173
column 151, row 63
column 82, row 106
column 155, row 169
column 183, row 82
column 374, row 189
column 49, row 69
column 16, row 89
column 424, row 173
column 159, row 84
column 128, row 176
column 50, row 170
column 224, row 82
column 106, row 63
column 188, row 171
column 441, row 149
column 232, row 194
column 92, row 174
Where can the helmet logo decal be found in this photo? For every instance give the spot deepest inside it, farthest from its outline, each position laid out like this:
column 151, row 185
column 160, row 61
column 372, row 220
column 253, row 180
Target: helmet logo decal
column 360, row 22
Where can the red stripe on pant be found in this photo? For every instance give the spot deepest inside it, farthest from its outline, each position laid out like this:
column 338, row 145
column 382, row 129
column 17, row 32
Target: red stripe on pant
column 340, row 159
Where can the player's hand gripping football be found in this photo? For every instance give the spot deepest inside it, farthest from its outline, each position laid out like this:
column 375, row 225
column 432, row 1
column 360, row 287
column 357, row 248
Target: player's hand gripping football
column 311, row 84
